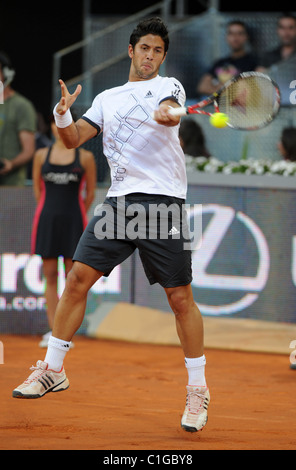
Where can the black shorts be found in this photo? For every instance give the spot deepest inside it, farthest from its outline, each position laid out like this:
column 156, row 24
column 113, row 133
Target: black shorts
column 156, row 225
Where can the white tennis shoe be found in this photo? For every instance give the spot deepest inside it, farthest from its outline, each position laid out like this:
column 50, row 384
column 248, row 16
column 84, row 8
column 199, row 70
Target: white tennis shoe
column 195, row 415
column 41, row 381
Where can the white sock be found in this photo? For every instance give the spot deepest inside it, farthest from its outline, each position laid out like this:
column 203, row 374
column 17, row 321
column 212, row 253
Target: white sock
column 56, row 352
column 196, row 370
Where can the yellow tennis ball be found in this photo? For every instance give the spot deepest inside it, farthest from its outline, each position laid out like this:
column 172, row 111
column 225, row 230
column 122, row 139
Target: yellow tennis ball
column 219, row 120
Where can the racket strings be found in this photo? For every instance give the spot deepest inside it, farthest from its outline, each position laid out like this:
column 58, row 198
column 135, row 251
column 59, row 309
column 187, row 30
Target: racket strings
column 249, row 102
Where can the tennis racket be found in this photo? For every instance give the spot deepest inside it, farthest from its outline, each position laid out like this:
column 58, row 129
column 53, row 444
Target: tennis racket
column 251, row 101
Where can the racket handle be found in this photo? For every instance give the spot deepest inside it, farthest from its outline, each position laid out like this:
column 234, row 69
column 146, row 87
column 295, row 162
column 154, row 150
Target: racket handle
column 180, row 111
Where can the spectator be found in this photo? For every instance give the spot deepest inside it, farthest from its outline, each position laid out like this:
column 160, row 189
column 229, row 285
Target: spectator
column 287, row 144
column 192, row 139
column 41, row 140
column 60, row 217
column 239, row 60
column 17, row 130
column 286, row 31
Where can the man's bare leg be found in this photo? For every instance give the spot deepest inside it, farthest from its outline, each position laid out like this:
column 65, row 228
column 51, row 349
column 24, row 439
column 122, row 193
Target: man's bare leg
column 71, row 307
column 189, row 321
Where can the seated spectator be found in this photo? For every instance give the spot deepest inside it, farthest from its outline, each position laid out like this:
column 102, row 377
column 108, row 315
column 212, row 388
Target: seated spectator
column 192, row 139
column 239, row 60
column 286, row 31
column 287, row 144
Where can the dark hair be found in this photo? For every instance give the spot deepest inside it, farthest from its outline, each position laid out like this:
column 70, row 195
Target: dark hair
column 4, row 60
column 239, row 23
column 153, row 26
column 193, row 139
column 6, row 68
column 286, row 15
column 289, row 142
column 5, row 64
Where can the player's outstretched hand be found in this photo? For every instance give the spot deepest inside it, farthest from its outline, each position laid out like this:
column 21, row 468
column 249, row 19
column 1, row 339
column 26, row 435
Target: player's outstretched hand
column 67, row 99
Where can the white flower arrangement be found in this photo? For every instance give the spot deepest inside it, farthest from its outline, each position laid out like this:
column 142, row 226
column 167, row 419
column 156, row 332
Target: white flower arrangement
column 248, row 166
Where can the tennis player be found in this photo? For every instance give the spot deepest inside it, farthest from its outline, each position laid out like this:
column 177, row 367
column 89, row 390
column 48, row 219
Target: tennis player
column 147, row 167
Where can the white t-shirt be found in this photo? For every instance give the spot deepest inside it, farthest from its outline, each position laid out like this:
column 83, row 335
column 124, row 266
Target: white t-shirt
column 143, row 156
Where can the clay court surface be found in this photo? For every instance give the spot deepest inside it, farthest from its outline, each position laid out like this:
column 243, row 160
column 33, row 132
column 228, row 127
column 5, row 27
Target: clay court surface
column 128, row 396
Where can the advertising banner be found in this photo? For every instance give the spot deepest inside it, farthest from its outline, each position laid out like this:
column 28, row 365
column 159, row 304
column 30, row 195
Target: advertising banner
column 243, row 267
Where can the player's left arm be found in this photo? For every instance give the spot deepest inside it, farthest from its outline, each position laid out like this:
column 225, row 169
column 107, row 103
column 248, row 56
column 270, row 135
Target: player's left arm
column 162, row 115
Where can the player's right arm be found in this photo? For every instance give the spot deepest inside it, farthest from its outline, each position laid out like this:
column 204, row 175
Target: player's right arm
column 76, row 133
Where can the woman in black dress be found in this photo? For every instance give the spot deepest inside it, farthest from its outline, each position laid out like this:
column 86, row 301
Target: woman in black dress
column 64, row 185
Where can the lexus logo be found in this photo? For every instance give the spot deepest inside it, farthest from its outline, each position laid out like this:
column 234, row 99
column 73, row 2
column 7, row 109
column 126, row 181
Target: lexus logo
column 222, row 219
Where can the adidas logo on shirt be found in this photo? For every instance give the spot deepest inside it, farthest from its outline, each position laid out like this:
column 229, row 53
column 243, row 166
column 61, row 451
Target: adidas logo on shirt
column 173, row 231
column 149, row 94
